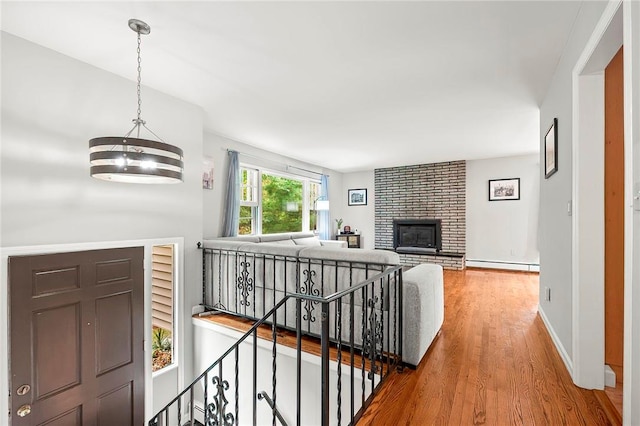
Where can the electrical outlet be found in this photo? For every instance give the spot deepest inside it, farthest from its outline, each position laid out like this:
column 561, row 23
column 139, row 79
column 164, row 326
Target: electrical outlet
column 569, row 208
column 513, row 252
column 547, row 294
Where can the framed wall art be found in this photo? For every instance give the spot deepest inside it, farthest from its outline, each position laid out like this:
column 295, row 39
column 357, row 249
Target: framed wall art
column 357, row 197
column 551, row 150
column 504, row 189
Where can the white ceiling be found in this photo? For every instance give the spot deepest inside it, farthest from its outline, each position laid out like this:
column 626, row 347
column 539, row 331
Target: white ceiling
column 345, row 85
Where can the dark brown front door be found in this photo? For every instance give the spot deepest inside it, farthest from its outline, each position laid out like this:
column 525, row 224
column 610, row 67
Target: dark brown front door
column 76, row 338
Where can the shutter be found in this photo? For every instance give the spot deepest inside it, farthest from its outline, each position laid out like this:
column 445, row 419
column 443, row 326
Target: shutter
column 162, row 287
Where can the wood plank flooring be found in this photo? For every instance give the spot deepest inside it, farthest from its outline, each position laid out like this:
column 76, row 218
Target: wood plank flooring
column 493, row 363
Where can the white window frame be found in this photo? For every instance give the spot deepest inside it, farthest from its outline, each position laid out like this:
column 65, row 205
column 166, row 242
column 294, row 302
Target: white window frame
column 256, row 228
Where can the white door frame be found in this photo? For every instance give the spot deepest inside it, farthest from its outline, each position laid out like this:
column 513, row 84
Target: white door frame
column 587, row 292
column 5, row 252
column 631, row 388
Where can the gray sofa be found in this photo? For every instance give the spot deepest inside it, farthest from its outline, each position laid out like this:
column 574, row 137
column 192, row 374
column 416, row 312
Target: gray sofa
column 248, row 275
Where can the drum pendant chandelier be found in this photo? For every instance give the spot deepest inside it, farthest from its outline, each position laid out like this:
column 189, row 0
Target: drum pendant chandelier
column 133, row 159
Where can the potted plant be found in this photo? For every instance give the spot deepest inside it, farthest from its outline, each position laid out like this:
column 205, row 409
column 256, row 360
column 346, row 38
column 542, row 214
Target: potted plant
column 339, row 222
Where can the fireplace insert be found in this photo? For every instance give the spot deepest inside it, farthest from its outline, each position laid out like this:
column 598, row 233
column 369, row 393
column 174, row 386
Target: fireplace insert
column 417, row 235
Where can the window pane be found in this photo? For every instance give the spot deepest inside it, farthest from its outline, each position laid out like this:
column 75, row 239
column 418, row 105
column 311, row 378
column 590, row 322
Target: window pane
column 246, row 220
column 248, row 185
column 314, row 194
column 281, row 204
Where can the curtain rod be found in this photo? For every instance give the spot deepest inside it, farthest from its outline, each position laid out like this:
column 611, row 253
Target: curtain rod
column 273, row 161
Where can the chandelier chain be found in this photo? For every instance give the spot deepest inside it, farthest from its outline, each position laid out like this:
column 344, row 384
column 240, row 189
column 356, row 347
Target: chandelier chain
column 139, row 78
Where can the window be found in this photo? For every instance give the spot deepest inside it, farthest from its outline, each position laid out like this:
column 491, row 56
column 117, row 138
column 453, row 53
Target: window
column 162, row 307
column 249, row 201
column 272, row 202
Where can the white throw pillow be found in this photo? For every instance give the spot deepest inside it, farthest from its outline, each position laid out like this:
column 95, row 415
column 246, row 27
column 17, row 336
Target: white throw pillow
column 310, row 241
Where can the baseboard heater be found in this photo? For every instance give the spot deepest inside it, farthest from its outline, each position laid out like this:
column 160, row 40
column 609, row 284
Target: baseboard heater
column 498, row 264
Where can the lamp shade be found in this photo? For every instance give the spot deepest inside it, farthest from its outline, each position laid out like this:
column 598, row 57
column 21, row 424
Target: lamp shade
column 134, row 160
column 322, row 205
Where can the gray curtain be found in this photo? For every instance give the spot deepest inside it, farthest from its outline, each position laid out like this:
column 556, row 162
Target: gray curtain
column 324, row 217
column 232, row 199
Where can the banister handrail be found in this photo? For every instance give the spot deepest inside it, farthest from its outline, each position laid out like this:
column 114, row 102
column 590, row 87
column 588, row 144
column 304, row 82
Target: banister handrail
column 272, row 405
column 389, row 271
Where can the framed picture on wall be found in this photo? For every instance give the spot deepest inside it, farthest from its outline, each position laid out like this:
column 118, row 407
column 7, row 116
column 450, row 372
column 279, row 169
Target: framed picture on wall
column 504, row 189
column 357, row 197
column 207, row 173
column 551, row 150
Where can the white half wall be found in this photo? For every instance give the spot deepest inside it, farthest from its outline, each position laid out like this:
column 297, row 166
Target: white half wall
column 503, row 233
column 51, row 106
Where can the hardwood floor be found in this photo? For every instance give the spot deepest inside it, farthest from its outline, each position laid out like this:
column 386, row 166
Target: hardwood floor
column 493, row 363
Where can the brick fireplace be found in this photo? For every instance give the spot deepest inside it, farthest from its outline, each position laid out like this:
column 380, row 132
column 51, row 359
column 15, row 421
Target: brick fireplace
column 411, row 194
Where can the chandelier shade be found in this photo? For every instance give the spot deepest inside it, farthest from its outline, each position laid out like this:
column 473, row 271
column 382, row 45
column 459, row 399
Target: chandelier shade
column 133, row 159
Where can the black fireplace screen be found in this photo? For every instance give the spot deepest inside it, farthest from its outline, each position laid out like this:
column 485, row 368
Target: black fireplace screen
column 417, row 233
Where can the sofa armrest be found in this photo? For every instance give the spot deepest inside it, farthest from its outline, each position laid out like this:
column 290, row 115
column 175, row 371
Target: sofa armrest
column 423, row 309
column 333, row 243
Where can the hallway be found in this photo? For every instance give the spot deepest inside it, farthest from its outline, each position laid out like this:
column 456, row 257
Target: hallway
column 493, row 363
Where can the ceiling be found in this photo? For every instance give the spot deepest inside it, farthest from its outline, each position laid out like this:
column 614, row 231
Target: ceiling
column 345, row 85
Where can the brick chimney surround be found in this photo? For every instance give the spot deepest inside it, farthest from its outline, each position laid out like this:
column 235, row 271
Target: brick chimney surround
column 426, row 191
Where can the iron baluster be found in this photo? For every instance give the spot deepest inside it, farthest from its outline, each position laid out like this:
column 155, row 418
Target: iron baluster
column 324, row 341
column 382, row 327
column 351, row 350
column 245, row 283
column 363, row 331
column 264, row 289
column 298, row 359
column 255, row 376
column 339, row 321
column 308, row 289
column 274, row 354
column 255, row 289
column 237, row 386
column 400, row 314
column 274, row 286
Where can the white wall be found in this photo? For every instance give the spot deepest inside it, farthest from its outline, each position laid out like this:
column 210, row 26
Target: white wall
column 212, row 341
column 215, row 148
column 360, row 217
column 556, row 192
column 503, row 233
column 51, row 106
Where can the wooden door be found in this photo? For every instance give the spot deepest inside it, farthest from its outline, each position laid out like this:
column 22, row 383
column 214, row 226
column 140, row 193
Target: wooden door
column 76, row 338
column 614, row 214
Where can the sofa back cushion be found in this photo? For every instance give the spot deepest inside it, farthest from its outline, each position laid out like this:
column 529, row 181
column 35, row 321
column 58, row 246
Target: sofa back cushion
column 307, row 241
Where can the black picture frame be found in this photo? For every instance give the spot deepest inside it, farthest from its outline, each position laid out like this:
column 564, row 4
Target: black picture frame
column 504, row 189
column 357, row 197
column 551, row 150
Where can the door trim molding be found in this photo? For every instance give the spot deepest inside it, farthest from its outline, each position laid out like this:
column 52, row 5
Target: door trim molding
column 5, row 252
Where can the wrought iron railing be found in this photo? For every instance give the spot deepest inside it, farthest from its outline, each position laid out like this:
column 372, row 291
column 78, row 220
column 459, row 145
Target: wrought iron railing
column 360, row 323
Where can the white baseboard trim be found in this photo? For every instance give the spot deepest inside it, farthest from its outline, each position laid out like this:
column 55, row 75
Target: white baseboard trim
column 609, row 377
column 497, row 264
column 556, row 341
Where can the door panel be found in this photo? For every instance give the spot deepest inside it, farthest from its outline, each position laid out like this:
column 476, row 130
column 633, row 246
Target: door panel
column 114, row 408
column 76, row 337
column 113, row 324
column 56, row 331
